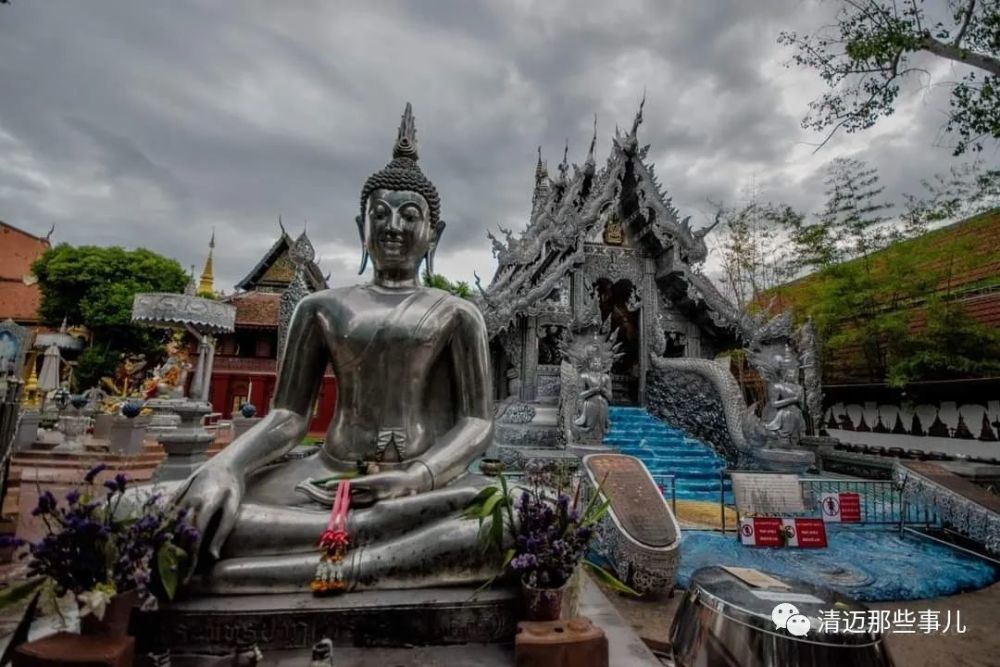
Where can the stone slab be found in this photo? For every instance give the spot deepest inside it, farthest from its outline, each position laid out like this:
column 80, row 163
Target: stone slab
column 441, row 616
column 785, row 460
column 64, row 649
column 633, row 496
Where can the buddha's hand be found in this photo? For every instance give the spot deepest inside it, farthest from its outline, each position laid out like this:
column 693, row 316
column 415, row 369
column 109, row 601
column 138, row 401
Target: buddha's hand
column 389, row 484
column 213, row 495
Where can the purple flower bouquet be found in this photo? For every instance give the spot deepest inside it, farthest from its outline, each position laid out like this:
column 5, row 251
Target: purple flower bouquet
column 98, row 544
column 542, row 533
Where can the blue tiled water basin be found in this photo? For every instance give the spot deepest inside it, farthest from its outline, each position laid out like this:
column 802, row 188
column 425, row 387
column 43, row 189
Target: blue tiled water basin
column 868, row 563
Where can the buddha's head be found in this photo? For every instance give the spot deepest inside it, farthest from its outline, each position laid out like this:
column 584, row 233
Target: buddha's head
column 399, row 222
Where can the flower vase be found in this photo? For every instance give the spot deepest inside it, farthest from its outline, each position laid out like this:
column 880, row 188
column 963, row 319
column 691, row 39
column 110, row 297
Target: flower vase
column 552, row 604
column 116, row 617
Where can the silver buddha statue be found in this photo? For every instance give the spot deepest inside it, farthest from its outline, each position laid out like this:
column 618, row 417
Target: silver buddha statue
column 413, row 412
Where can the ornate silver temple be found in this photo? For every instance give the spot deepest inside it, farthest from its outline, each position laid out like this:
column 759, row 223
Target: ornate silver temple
column 607, row 244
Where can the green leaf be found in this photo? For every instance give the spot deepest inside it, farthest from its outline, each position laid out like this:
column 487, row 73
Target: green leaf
column 613, row 582
column 483, row 495
column 491, row 503
column 474, row 510
column 168, row 560
column 12, row 595
column 496, row 528
column 595, row 513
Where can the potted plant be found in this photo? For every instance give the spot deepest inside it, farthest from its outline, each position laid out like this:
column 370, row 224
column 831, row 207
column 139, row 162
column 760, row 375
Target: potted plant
column 110, row 551
column 543, row 535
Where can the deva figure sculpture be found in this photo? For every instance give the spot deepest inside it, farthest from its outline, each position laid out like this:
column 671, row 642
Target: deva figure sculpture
column 592, row 422
column 413, row 411
column 588, row 356
column 783, row 417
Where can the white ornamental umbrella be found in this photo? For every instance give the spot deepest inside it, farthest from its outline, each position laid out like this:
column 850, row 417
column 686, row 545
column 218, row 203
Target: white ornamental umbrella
column 48, row 378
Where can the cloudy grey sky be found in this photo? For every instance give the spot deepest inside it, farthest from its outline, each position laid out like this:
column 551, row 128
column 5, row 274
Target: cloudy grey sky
column 151, row 123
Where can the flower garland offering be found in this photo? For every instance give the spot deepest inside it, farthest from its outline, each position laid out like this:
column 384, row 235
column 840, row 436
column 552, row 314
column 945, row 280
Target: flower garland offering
column 333, row 544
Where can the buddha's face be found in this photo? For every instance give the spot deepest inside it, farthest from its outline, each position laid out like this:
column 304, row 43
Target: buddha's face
column 399, row 229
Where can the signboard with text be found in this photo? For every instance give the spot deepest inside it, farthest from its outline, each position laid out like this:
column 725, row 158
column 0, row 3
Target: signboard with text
column 844, row 507
column 777, row 532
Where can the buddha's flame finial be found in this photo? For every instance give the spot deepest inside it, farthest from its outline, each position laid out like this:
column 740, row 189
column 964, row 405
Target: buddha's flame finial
column 406, row 142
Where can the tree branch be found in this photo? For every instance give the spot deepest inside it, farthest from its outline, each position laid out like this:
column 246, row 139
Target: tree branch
column 960, row 55
column 965, row 23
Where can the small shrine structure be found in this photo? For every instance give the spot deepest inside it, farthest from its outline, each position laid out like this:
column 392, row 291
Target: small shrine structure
column 247, row 359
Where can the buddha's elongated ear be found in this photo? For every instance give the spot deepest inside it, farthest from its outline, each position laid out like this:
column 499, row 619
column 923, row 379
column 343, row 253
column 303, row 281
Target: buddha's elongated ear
column 429, row 257
column 364, row 246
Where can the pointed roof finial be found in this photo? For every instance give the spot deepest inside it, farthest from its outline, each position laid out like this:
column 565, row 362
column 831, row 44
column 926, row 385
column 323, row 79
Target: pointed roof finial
column 302, row 251
column 206, row 285
column 593, row 143
column 189, row 290
column 638, row 115
column 406, row 141
column 564, row 165
column 281, row 225
column 541, row 171
column 48, row 237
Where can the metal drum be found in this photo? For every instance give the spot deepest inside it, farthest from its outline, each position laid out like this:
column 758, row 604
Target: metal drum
column 725, row 622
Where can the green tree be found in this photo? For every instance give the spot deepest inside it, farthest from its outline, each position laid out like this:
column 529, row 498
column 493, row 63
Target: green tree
column 951, row 345
column 849, row 307
column 460, row 288
column 750, row 248
column 95, row 286
column 965, row 191
column 870, row 51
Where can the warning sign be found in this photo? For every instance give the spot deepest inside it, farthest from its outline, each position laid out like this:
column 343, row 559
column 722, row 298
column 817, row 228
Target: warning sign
column 761, row 531
column 778, row 532
column 805, row 533
column 841, row 507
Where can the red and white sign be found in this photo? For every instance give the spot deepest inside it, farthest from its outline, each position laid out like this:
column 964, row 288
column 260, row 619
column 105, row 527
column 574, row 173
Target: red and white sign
column 777, row 532
column 761, row 531
column 805, row 533
column 841, row 507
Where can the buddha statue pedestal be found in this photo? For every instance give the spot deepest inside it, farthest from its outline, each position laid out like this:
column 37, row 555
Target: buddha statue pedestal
column 430, row 616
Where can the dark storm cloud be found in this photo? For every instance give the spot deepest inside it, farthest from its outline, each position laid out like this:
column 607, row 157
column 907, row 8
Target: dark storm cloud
column 154, row 123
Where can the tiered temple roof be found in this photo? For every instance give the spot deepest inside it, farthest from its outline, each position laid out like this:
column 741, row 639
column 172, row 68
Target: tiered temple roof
column 275, row 270
column 565, row 214
column 258, row 302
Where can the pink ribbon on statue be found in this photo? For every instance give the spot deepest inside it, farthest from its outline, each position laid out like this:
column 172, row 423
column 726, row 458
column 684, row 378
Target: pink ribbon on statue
column 335, row 536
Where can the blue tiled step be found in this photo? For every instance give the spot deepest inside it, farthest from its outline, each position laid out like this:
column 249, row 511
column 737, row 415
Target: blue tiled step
column 667, row 450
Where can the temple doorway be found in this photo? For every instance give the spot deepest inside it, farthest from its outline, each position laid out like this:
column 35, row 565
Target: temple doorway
column 614, row 300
